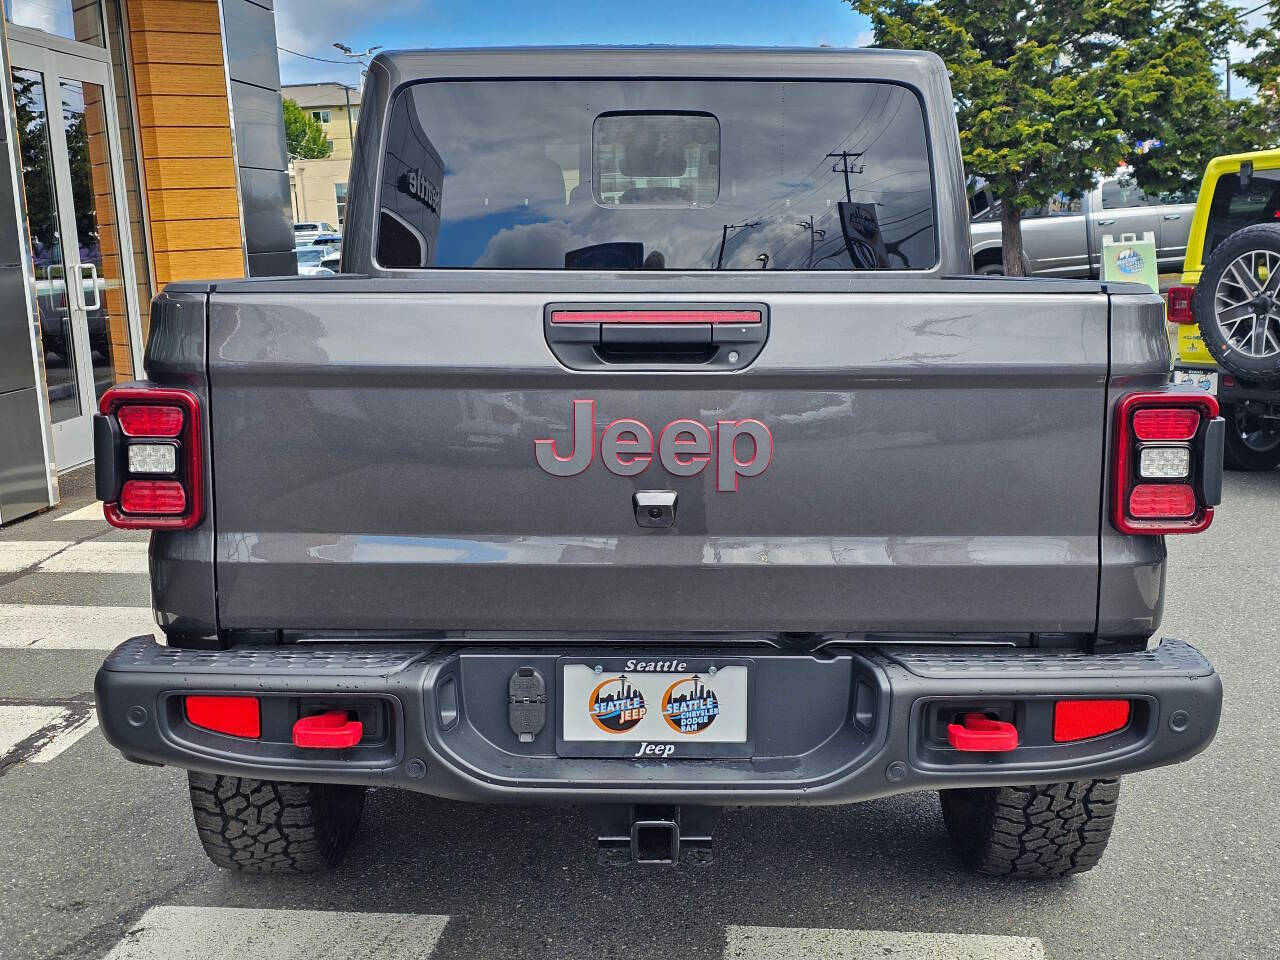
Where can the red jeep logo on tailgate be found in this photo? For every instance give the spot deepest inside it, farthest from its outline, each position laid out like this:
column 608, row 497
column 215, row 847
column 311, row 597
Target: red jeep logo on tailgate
column 684, row 448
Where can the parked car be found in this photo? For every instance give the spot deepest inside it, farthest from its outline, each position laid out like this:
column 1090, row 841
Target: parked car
column 1064, row 237
column 1227, row 308
column 307, row 232
column 573, row 494
column 311, row 261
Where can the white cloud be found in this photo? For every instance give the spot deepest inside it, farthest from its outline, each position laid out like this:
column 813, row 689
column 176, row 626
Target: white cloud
column 312, row 27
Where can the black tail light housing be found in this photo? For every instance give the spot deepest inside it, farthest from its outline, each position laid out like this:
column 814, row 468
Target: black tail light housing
column 1167, row 462
column 148, row 458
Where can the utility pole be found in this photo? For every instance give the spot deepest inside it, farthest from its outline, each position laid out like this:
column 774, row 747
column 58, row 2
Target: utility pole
column 724, row 237
column 351, row 130
column 844, row 156
column 814, row 236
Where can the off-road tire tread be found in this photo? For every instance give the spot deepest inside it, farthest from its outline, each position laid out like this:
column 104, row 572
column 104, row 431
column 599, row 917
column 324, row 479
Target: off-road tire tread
column 1050, row 830
column 264, row 826
column 1258, row 235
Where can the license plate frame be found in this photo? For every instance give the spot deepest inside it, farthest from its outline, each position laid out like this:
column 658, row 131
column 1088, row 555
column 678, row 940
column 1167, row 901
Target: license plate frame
column 647, row 740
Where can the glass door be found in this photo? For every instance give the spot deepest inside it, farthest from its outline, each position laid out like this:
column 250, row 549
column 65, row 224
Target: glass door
column 69, row 148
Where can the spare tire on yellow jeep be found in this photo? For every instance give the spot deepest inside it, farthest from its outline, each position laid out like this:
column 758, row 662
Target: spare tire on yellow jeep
column 1237, row 304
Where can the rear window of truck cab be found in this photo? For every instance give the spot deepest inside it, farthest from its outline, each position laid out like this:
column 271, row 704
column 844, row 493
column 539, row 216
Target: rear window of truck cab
column 620, row 174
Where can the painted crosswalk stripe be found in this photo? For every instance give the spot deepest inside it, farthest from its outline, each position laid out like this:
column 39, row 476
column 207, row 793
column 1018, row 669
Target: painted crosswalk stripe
column 190, row 933
column 45, row 626
column 65, row 556
column 99, row 556
column 17, row 723
column 91, row 512
column 785, row 943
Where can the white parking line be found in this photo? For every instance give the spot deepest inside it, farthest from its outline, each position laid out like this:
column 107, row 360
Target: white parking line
column 98, row 556
column 191, row 933
column 58, row 627
column 66, row 737
column 67, row 556
column 91, row 512
column 17, row 555
column 786, row 943
column 19, row 722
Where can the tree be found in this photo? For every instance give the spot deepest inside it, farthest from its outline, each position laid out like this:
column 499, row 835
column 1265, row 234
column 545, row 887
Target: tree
column 303, row 134
column 1050, row 92
column 1263, row 71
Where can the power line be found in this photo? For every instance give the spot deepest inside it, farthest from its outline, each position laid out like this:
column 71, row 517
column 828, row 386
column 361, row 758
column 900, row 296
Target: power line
column 307, row 56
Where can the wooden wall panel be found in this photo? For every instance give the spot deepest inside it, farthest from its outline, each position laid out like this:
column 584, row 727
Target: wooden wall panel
column 185, row 136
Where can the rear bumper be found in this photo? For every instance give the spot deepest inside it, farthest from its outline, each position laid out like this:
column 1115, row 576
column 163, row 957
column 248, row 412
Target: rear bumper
column 831, row 727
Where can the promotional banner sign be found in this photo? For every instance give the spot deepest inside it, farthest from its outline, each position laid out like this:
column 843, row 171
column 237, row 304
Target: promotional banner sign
column 1130, row 259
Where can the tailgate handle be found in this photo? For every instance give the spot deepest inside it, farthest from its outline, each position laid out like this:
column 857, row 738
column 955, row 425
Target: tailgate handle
column 585, row 337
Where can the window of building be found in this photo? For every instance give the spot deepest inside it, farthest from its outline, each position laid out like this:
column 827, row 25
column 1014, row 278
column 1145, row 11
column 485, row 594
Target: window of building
column 64, row 18
column 340, row 195
column 321, row 115
column 605, row 174
column 330, row 142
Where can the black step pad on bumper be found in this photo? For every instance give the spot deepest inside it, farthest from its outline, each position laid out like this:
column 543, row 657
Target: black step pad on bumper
column 835, row 726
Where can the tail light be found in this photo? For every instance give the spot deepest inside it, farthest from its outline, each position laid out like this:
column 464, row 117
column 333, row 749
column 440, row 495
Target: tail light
column 1180, row 305
column 1168, row 462
column 148, row 458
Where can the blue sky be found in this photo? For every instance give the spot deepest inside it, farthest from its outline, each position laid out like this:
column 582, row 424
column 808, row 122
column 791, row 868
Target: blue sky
column 311, row 26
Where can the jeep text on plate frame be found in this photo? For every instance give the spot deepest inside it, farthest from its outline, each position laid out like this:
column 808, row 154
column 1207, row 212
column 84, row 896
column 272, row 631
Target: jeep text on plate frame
column 650, row 736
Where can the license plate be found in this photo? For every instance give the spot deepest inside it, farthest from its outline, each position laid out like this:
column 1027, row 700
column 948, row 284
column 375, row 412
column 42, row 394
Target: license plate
column 1206, row 380
column 654, row 707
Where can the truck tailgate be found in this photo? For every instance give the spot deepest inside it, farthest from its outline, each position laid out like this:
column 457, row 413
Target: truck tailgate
column 936, row 466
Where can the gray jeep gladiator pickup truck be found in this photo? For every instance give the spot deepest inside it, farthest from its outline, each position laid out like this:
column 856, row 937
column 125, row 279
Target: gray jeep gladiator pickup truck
column 654, row 452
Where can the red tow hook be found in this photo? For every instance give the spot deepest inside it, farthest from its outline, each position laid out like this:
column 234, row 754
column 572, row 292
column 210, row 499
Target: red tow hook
column 980, row 734
column 330, row 730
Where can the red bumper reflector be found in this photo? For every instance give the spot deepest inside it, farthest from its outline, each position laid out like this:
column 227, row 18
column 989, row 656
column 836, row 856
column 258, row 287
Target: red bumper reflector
column 1168, row 423
column 234, row 716
column 150, row 420
column 655, row 316
column 1162, row 501
column 331, row 730
column 981, row 734
column 1084, row 719
column 161, row 497
column 1180, row 305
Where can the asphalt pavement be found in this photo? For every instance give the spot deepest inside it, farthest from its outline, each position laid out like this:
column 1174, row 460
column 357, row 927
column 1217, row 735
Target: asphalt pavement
column 99, row 856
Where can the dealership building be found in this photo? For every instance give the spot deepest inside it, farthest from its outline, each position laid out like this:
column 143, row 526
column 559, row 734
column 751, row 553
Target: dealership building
column 142, row 143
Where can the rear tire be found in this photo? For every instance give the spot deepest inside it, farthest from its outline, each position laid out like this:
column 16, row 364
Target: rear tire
column 990, row 270
column 1252, row 443
column 1050, row 830
column 264, row 826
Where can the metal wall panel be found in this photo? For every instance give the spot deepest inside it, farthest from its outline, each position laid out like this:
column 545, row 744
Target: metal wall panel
column 249, row 39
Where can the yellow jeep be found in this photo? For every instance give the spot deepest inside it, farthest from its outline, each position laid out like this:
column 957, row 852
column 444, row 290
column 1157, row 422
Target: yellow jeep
column 1226, row 311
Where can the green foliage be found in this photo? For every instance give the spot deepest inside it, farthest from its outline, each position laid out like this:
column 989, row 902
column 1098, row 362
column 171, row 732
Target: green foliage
column 1263, row 71
column 1050, row 92
column 303, row 134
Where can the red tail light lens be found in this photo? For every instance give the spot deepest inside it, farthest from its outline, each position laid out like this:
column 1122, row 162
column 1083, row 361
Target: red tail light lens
column 1163, row 431
column 150, row 420
column 1084, row 719
column 1162, row 500
column 1180, row 305
column 164, row 497
column 234, row 716
column 1168, row 423
column 171, row 417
